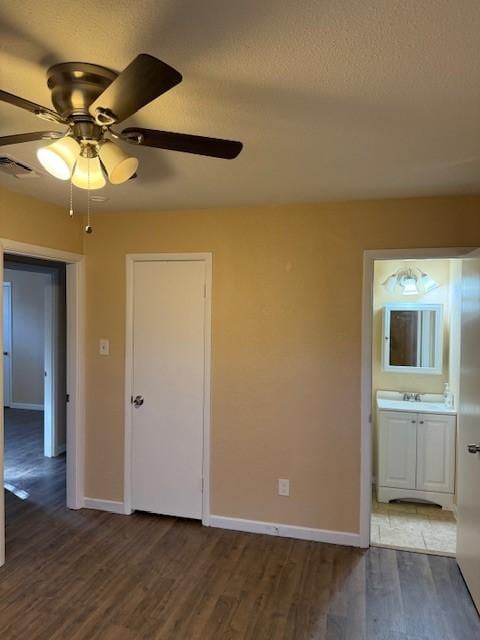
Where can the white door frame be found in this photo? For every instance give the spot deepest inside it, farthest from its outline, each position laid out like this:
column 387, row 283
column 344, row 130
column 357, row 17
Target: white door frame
column 369, row 258
column 8, row 401
column 75, row 369
column 167, row 257
column 50, row 386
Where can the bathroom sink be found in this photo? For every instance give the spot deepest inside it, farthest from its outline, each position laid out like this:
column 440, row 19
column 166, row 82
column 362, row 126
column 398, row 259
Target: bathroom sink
column 420, row 407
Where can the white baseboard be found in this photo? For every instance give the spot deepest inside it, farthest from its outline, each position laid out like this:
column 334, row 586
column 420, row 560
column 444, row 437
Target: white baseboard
column 105, row 505
column 26, row 405
column 285, row 530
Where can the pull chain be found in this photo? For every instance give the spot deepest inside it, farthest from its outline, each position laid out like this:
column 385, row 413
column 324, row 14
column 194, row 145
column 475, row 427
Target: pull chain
column 71, row 197
column 88, row 228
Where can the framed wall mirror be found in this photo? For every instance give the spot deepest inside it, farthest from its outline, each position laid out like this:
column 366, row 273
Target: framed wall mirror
column 413, row 338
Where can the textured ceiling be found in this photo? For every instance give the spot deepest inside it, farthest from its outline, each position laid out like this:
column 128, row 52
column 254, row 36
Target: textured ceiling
column 333, row 99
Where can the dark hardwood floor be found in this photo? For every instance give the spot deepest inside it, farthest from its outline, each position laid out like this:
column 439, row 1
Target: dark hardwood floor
column 91, row 575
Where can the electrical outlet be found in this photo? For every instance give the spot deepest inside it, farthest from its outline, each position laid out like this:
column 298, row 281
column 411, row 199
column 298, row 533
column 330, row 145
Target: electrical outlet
column 104, row 347
column 283, row 487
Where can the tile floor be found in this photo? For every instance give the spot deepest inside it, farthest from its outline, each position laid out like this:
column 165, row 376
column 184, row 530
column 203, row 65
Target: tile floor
column 413, row 526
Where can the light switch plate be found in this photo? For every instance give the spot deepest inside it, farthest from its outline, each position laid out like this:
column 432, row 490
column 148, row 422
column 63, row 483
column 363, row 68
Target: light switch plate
column 283, row 487
column 104, row 347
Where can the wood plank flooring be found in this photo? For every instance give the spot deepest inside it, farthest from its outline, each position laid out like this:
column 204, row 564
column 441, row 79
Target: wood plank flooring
column 87, row 575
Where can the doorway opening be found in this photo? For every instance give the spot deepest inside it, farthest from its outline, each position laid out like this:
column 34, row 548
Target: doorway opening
column 75, row 341
column 34, row 338
column 411, row 326
column 415, row 389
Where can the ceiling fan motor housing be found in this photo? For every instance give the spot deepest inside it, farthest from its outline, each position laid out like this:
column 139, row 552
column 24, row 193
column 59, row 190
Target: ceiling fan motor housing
column 75, row 86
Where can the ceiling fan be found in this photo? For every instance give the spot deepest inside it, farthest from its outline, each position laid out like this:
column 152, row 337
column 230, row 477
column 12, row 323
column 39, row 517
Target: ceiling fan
column 89, row 100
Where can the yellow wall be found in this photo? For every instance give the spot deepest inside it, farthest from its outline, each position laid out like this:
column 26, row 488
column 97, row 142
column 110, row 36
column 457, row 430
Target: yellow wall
column 30, row 220
column 286, row 337
column 286, row 343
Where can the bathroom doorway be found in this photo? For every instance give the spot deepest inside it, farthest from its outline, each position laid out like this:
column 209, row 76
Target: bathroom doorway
column 410, row 389
column 415, row 383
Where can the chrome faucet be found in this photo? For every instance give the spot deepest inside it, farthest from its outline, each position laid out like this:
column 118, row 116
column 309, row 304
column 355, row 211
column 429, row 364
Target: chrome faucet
column 412, row 397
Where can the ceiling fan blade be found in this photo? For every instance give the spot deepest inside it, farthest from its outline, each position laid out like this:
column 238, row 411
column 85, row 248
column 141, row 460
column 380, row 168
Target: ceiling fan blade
column 33, row 107
column 29, row 137
column 142, row 81
column 214, row 147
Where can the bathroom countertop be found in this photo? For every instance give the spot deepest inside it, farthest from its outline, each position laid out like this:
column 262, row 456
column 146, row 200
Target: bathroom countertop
column 387, row 404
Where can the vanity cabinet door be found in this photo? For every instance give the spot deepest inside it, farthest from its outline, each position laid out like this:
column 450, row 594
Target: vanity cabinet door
column 436, row 453
column 397, row 449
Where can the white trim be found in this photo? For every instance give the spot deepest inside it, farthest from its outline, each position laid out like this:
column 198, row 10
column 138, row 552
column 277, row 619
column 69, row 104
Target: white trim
column 7, row 286
column 2, row 413
column 38, row 251
column 75, row 384
column 369, row 258
column 26, row 405
column 50, row 386
column 286, row 530
column 75, row 369
column 165, row 257
column 112, row 506
column 207, row 391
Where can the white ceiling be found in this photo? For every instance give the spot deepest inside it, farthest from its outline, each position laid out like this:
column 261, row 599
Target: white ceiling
column 333, row 99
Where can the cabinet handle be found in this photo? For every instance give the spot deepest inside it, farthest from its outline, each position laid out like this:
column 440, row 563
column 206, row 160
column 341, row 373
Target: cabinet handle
column 421, row 421
column 414, row 421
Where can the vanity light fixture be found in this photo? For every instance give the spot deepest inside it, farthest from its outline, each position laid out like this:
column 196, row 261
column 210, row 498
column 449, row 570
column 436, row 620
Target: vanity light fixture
column 410, row 281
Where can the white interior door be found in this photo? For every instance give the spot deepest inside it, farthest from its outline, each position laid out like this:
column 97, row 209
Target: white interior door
column 168, row 382
column 468, row 460
column 7, row 344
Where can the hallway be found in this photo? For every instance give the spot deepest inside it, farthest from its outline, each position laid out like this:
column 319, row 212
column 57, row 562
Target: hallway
column 38, row 480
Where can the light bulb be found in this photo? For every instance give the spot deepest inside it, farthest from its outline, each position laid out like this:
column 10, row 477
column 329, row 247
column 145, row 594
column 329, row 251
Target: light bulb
column 409, row 284
column 390, row 283
column 119, row 166
column 427, row 282
column 59, row 157
column 80, row 175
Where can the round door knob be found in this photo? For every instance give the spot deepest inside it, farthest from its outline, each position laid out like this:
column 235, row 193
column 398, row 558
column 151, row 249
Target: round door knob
column 138, row 401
